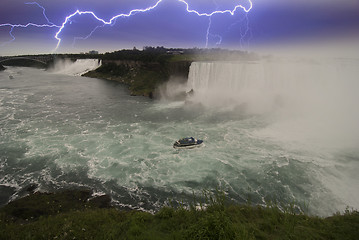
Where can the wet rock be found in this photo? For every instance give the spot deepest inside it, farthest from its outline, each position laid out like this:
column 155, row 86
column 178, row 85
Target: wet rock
column 5, row 193
column 40, row 204
column 31, row 188
column 103, row 201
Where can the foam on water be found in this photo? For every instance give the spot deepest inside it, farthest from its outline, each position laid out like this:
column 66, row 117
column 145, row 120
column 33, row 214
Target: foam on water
column 310, row 109
column 60, row 131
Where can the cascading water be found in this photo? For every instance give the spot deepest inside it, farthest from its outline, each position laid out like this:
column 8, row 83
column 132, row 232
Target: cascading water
column 316, row 92
column 263, row 84
column 309, row 107
column 273, row 131
column 76, row 68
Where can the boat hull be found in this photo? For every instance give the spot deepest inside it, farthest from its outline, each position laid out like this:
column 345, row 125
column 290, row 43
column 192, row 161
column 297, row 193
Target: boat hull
column 194, row 144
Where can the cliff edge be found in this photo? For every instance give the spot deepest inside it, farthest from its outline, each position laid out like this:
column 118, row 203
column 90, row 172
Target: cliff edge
column 141, row 77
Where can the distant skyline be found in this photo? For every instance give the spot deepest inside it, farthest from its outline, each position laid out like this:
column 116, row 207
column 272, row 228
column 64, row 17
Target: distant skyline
column 169, row 24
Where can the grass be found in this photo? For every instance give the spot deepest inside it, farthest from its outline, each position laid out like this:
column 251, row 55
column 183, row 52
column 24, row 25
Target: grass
column 78, row 217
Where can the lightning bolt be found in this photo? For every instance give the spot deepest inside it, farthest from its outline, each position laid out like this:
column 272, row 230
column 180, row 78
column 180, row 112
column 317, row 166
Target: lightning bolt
column 43, row 11
column 212, row 35
column 247, row 31
column 13, row 26
column 232, row 12
column 112, row 20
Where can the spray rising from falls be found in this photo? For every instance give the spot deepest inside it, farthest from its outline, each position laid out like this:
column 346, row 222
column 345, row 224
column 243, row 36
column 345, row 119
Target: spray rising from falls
column 300, row 106
column 77, row 68
column 91, row 133
column 315, row 97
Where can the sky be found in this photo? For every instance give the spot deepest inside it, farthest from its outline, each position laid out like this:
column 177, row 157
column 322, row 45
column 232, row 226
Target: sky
column 243, row 25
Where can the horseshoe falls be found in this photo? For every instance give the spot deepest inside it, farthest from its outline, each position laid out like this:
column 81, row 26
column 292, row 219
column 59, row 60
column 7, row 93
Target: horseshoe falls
column 274, row 130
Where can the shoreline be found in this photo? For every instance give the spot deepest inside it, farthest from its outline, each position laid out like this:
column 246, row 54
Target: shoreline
column 141, row 78
column 75, row 214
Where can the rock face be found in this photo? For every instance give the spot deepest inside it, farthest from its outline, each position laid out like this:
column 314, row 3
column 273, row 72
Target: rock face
column 179, row 69
column 142, row 77
column 2, row 68
column 39, row 204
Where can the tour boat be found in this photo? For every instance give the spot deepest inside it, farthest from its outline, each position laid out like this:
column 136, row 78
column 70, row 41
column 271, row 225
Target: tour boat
column 188, row 142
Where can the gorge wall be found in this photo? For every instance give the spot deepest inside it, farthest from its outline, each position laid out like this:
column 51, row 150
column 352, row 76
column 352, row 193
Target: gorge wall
column 142, row 77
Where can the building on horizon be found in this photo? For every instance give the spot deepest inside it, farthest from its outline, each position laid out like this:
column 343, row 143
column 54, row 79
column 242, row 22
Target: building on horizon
column 93, row 52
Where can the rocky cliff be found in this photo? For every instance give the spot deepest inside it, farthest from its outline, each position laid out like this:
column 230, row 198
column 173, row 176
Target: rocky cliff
column 141, row 77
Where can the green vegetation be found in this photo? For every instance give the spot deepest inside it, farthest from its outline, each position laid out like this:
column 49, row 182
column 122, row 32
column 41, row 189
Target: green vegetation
column 142, row 78
column 143, row 71
column 71, row 215
column 148, row 54
column 163, row 55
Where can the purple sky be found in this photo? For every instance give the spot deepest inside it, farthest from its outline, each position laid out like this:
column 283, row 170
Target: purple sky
column 270, row 22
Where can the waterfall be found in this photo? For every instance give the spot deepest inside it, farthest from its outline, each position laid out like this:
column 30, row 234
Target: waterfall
column 304, row 99
column 77, row 68
column 262, row 85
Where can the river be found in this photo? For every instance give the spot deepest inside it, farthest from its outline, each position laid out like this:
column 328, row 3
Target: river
column 61, row 131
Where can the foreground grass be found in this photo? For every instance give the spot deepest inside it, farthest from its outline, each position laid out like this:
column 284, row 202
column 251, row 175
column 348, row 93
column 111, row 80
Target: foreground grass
column 74, row 216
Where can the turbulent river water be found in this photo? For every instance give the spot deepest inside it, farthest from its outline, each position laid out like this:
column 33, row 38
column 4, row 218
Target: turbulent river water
column 273, row 131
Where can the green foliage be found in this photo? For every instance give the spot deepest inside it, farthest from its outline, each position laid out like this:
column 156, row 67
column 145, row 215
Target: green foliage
column 165, row 213
column 79, row 218
column 113, row 69
column 149, row 54
column 142, row 77
column 146, row 80
column 213, row 225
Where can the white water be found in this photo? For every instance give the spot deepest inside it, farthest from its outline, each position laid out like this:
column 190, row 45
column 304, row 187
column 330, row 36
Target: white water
column 77, row 68
column 60, row 131
column 311, row 108
column 320, row 96
column 263, row 85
